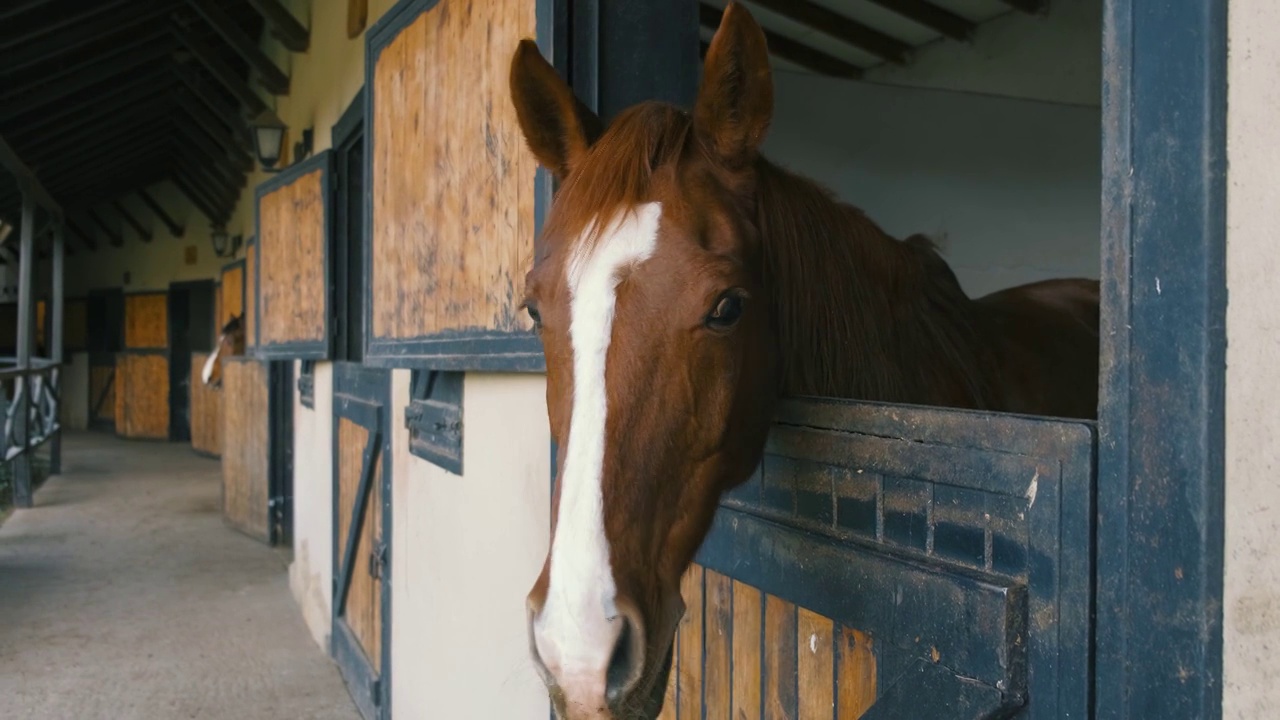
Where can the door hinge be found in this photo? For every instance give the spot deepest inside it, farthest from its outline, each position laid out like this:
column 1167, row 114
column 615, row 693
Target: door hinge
column 378, row 560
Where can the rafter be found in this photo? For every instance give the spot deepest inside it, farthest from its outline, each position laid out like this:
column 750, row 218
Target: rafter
column 176, row 229
column 284, row 26
column 787, row 49
column 113, row 237
column 931, row 16
column 33, row 51
column 273, row 78
column 224, row 73
column 842, row 28
column 1027, row 6
column 143, row 231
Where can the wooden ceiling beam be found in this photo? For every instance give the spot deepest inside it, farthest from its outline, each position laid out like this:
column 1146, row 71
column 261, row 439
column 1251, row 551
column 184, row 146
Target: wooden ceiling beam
column 283, row 25
column 176, row 229
column 198, row 199
column 27, row 180
column 845, row 29
column 15, row 91
column 28, row 108
column 99, row 132
column 225, row 115
column 143, row 231
column 20, row 8
column 1032, row 7
column 88, row 12
column 114, row 238
column 85, row 238
column 938, row 19
column 133, row 143
column 232, row 146
column 88, row 109
column 788, row 49
column 74, row 38
column 273, row 78
column 56, row 159
column 224, row 73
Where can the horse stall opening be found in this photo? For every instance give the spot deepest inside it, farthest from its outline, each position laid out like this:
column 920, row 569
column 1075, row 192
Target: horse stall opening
column 142, row 369
column 895, row 561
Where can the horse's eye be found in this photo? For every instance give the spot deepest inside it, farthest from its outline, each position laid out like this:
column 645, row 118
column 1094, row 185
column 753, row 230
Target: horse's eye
column 533, row 315
column 726, row 312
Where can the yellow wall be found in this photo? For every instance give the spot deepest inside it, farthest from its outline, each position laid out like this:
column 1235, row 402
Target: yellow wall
column 1251, row 602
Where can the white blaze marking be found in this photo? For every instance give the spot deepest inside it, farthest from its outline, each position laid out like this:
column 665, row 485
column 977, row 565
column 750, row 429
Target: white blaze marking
column 577, row 628
column 208, row 364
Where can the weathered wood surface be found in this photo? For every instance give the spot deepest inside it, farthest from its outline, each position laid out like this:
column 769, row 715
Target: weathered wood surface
column 364, row 597
column 232, row 294
column 245, row 446
column 142, row 396
column 747, row 655
column 292, row 282
column 146, row 321
column 452, row 181
column 250, row 296
column 206, row 410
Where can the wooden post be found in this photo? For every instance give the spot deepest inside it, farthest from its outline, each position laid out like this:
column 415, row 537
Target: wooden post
column 55, row 343
column 26, row 261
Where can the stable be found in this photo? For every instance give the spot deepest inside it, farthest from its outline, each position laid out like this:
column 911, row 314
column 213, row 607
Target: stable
column 356, row 352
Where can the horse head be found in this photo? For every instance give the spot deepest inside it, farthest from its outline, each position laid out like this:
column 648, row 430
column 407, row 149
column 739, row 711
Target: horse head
column 230, row 342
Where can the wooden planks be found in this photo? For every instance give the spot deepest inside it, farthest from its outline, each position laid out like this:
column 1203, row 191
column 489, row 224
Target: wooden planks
column 206, row 410
column 747, row 655
column 250, row 297
column 231, row 296
column 245, row 446
column 291, row 260
column 364, row 597
column 142, row 396
column 146, row 320
column 452, row 182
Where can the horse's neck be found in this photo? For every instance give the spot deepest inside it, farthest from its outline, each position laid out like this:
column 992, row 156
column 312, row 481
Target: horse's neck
column 860, row 314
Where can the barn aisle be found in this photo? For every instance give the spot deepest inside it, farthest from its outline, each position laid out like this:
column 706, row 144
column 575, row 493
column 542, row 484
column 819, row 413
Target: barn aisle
column 123, row 596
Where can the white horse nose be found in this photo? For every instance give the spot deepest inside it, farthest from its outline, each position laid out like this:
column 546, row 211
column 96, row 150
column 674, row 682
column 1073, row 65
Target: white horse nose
column 594, row 660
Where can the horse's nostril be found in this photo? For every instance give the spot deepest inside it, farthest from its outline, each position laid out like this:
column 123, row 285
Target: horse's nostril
column 626, row 664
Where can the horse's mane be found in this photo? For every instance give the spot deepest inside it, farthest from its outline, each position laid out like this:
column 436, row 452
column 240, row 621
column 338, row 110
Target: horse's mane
column 859, row 314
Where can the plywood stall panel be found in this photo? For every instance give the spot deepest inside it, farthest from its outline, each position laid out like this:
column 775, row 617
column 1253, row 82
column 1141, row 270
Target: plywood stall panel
column 206, row 410
column 451, row 207
column 245, row 449
column 250, row 296
column 231, row 297
column 910, row 560
column 364, row 597
column 146, row 320
column 142, row 396
column 292, row 273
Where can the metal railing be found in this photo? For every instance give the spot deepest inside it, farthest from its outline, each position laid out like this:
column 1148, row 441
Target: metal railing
column 30, row 400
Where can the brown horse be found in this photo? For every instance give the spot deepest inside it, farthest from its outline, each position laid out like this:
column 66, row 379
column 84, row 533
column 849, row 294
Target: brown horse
column 684, row 284
column 231, row 343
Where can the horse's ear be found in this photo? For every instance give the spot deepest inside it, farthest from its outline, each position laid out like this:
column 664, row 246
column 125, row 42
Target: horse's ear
column 735, row 102
column 557, row 126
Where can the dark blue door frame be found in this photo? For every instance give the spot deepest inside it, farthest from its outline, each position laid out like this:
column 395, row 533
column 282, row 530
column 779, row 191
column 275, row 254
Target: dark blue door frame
column 1158, row 638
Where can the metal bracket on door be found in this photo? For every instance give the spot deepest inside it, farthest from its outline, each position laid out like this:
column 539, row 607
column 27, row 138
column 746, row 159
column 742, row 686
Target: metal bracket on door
column 377, row 560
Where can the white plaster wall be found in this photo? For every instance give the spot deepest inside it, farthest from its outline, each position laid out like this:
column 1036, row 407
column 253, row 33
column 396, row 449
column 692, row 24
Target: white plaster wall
column 464, row 553
column 1251, row 602
column 73, row 406
column 311, row 572
column 1011, row 188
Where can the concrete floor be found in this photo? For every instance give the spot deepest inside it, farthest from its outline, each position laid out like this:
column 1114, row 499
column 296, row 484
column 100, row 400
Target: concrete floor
column 124, row 597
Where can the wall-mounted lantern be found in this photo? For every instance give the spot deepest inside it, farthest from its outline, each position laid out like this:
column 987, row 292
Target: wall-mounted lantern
column 268, row 140
column 224, row 245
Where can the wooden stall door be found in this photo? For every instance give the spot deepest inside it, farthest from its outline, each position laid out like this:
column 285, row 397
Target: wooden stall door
column 894, row 563
column 246, row 446
column 362, row 494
